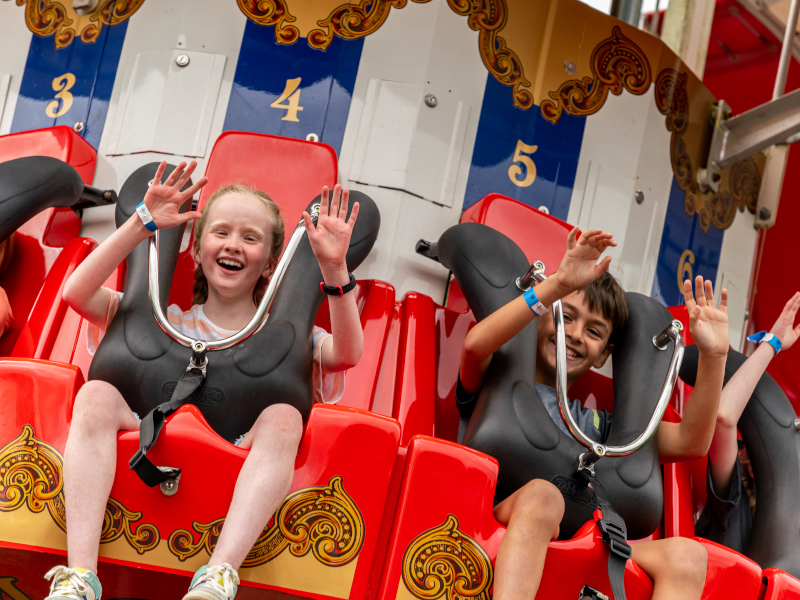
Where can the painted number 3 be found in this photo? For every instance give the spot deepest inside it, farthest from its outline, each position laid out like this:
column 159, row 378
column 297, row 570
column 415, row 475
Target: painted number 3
column 289, row 100
column 63, row 101
column 514, row 171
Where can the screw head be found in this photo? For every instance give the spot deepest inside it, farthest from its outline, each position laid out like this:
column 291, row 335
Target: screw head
column 639, row 196
column 544, row 209
column 182, row 60
column 430, row 100
column 764, row 214
column 79, row 126
column 312, row 137
column 570, row 67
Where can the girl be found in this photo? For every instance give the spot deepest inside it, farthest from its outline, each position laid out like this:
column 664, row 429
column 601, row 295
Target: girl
column 238, row 239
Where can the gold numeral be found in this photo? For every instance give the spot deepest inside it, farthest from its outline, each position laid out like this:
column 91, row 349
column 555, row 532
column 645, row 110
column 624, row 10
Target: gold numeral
column 685, row 268
column 62, row 85
column 291, row 93
column 530, row 169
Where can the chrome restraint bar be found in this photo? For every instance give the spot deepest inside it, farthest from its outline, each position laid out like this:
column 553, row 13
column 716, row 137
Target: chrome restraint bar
column 596, row 450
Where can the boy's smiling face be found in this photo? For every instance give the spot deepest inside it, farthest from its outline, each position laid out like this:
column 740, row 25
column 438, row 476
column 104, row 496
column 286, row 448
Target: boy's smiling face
column 587, row 335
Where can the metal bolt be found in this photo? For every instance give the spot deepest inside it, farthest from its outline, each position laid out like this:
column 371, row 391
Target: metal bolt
column 570, row 67
column 312, row 137
column 544, row 209
column 639, row 196
column 79, row 126
column 430, row 100
column 182, row 60
column 797, row 424
column 764, row 214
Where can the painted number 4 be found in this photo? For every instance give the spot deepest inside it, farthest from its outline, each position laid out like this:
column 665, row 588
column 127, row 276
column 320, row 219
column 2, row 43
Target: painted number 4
column 521, row 156
column 289, row 100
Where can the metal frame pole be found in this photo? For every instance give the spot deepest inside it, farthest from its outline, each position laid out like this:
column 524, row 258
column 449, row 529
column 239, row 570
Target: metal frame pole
column 786, row 50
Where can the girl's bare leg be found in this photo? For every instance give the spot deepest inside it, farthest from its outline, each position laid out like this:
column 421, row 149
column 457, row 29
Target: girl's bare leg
column 90, row 461
column 532, row 515
column 676, row 565
column 263, row 482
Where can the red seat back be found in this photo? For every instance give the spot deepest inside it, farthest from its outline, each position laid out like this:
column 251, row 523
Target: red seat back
column 57, row 142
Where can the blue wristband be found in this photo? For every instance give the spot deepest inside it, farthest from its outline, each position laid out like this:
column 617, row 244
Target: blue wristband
column 537, row 307
column 769, row 338
column 145, row 216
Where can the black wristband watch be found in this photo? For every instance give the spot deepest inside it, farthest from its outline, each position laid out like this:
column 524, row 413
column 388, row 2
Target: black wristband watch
column 338, row 290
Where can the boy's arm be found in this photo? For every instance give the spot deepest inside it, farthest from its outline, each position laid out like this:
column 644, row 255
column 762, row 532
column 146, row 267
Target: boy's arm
column 330, row 240
column 578, row 268
column 709, row 327
column 84, row 290
column 735, row 395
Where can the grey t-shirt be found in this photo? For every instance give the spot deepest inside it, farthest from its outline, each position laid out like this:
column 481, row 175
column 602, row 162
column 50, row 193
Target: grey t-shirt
column 594, row 423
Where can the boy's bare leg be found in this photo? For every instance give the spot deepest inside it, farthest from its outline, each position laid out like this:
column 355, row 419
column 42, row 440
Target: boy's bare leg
column 263, row 482
column 676, row 565
column 532, row 515
column 90, row 460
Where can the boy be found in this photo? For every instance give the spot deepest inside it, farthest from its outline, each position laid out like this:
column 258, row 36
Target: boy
column 594, row 308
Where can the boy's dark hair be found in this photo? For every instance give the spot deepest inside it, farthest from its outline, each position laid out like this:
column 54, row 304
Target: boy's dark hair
column 606, row 296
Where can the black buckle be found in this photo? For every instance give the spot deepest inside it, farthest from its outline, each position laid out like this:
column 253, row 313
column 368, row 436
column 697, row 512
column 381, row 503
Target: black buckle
column 133, row 463
column 620, row 548
column 616, row 537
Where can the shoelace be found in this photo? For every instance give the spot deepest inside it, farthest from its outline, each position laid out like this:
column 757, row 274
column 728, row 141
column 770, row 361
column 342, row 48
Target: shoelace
column 227, row 574
column 68, row 582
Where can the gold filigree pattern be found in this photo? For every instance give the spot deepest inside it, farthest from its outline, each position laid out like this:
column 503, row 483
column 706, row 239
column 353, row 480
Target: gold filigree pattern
column 745, row 183
column 444, row 561
column 272, row 12
column 31, row 475
column 489, row 17
column 617, row 63
column 322, row 520
column 672, row 100
column 48, row 17
column 118, row 521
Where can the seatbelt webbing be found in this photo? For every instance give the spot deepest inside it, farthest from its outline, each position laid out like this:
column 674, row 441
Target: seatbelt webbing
column 153, row 423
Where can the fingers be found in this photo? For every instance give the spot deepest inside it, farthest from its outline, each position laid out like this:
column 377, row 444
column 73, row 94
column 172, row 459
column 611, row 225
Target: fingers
column 598, row 238
column 688, row 296
column 571, row 238
column 709, row 293
column 159, row 172
column 186, row 175
column 308, row 223
column 176, row 172
column 353, row 215
column 343, row 207
column 602, row 267
column 323, row 203
column 192, row 215
column 700, row 297
column 195, row 188
column 337, row 190
column 723, row 301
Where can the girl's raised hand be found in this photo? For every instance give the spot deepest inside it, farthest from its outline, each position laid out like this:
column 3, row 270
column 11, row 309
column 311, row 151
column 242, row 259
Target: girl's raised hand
column 707, row 323
column 330, row 239
column 783, row 328
column 164, row 200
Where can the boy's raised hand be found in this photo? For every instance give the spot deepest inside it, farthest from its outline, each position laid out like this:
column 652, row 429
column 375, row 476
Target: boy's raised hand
column 783, row 329
column 164, row 200
column 707, row 323
column 579, row 267
column 330, row 239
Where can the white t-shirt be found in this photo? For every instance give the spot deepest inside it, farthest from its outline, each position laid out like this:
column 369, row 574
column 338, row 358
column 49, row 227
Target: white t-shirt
column 195, row 324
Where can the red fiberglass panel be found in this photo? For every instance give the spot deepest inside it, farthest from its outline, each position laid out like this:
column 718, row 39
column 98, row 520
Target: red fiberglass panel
column 292, row 172
column 780, row 585
column 57, row 142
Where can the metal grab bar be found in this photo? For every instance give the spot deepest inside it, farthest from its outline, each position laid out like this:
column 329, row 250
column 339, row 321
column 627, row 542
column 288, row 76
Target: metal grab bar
column 596, row 450
column 198, row 346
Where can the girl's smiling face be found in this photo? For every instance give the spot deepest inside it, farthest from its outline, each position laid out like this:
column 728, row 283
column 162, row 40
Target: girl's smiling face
column 235, row 245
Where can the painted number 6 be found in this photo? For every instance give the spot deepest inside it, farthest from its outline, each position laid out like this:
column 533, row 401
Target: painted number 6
column 530, row 169
column 63, row 101
column 685, row 268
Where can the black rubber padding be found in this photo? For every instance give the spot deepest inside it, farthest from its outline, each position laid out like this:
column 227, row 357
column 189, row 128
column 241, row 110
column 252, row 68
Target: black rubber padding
column 32, row 184
column 272, row 366
column 773, row 444
column 510, row 422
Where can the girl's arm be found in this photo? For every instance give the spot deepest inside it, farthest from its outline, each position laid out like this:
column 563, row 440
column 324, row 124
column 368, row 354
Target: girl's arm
column 84, row 290
column 578, row 268
column 330, row 240
column 736, row 394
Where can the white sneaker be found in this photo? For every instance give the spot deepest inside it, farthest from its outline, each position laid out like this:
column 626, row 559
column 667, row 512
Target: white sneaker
column 214, row 583
column 73, row 584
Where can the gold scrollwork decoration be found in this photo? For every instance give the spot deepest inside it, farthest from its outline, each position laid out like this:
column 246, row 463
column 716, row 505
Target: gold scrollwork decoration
column 118, row 521
column 272, row 12
column 672, row 100
column 48, row 17
column 322, row 520
column 617, row 63
column 31, row 475
column 444, row 561
column 745, row 183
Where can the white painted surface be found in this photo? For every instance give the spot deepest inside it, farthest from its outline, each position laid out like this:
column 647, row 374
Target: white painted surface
column 422, row 49
column 625, row 148
column 164, row 107
column 206, row 26
column 5, row 83
column 15, row 39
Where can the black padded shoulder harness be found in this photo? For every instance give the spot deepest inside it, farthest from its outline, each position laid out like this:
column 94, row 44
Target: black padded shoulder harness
column 768, row 428
column 510, row 422
column 272, row 366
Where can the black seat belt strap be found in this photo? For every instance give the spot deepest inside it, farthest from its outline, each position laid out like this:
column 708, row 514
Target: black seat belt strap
column 615, row 535
column 153, row 423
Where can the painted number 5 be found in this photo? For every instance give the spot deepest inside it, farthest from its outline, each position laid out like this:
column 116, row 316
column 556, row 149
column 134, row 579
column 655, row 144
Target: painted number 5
column 292, row 94
column 63, row 102
column 530, row 169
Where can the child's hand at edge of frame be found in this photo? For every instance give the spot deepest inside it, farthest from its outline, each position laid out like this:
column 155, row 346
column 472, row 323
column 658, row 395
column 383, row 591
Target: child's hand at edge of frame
column 782, row 329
